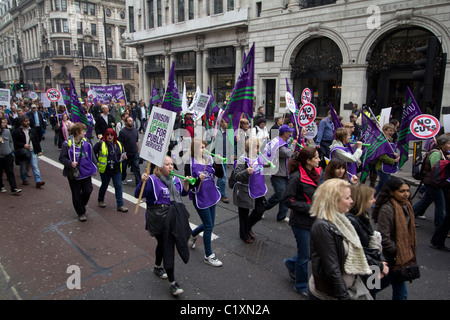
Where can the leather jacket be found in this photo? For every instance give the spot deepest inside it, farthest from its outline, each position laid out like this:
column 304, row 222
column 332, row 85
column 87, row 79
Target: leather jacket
column 328, row 258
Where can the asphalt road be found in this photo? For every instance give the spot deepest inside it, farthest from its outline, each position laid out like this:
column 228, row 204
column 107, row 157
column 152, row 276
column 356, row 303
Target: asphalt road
column 40, row 238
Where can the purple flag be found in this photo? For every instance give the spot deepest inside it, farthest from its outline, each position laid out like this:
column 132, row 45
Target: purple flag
column 243, row 95
column 334, row 117
column 172, row 99
column 65, row 96
column 373, row 136
column 211, row 108
column 155, row 98
column 410, row 111
column 78, row 114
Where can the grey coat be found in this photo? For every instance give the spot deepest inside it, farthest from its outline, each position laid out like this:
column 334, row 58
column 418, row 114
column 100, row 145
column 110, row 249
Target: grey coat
column 241, row 195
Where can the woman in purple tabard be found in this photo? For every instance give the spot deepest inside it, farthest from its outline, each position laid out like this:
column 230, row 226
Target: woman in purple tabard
column 204, row 195
column 250, row 188
column 161, row 191
column 77, row 151
column 341, row 149
column 387, row 164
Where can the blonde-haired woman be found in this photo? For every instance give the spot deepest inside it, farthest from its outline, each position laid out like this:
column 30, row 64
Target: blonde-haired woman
column 204, row 195
column 163, row 193
column 337, row 256
column 250, row 188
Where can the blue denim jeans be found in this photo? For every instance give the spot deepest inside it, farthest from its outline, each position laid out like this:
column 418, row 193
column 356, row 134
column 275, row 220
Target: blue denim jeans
column 384, row 178
column 34, row 167
column 222, row 182
column 117, row 182
column 436, row 195
column 134, row 160
column 208, row 217
column 299, row 263
column 399, row 288
column 279, row 187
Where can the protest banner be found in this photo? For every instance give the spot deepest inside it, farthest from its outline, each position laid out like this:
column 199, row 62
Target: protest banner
column 104, row 94
column 5, row 98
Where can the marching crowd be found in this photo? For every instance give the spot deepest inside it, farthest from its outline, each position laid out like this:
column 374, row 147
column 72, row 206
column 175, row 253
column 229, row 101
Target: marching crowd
column 349, row 235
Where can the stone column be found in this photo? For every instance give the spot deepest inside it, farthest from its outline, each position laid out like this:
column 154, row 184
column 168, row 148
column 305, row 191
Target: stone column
column 354, row 87
column 205, row 78
column 198, row 69
column 239, row 61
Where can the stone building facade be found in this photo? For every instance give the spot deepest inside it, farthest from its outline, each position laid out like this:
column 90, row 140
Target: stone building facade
column 56, row 37
column 346, row 51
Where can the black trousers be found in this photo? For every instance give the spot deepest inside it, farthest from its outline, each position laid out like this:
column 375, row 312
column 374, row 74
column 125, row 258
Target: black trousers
column 246, row 221
column 7, row 165
column 159, row 253
column 81, row 192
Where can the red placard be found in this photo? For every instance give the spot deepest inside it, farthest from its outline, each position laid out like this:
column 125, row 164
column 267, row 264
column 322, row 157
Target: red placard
column 424, row 126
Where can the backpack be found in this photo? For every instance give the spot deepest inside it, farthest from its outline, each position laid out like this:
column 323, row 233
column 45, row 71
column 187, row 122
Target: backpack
column 418, row 169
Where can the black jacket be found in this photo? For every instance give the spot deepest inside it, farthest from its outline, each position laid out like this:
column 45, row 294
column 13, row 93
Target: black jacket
column 20, row 140
column 176, row 233
column 364, row 230
column 328, row 258
column 101, row 125
column 298, row 197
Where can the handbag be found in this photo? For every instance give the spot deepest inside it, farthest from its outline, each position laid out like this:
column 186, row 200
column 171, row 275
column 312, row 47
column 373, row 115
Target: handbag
column 74, row 173
column 23, row 154
column 407, row 272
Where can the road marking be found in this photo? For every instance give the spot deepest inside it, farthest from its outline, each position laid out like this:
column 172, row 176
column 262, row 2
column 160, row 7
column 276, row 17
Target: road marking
column 7, row 277
column 125, row 195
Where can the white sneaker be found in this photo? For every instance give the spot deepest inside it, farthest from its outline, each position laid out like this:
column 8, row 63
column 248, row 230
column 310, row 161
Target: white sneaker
column 213, row 261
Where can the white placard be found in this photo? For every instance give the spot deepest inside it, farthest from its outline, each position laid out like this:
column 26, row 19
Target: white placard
column 53, row 94
column 157, row 135
column 290, row 102
column 425, row 126
column 311, row 130
column 385, row 116
column 199, row 105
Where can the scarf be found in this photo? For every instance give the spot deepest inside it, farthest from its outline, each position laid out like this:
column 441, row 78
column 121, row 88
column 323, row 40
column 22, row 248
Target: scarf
column 405, row 234
column 174, row 195
column 314, row 175
column 355, row 262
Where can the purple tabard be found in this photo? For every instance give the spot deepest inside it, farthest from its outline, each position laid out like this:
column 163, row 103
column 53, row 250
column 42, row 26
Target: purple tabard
column 209, row 194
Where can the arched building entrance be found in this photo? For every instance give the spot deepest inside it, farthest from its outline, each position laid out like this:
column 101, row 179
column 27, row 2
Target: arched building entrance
column 317, row 66
column 390, row 71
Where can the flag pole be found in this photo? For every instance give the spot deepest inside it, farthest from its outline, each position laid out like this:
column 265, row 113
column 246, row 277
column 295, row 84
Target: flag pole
column 147, row 170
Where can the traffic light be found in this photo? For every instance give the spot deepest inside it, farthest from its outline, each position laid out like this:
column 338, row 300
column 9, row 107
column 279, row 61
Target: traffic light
column 426, row 74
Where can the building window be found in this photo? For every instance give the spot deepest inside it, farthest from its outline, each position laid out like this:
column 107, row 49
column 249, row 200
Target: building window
column 90, row 73
column 79, row 27
column 158, row 13
column 108, row 32
column 112, row 71
column 131, row 18
column 57, row 5
column 126, row 73
column 123, row 52
column 88, row 49
column 180, row 10
column 191, row 9
column 230, row 5
column 93, row 29
column 151, row 13
column 63, row 5
column 258, row 9
column 65, row 26
column 57, row 25
column 92, row 9
column 218, row 6
column 269, row 54
column 109, row 51
column 67, row 47
column 77, row 6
